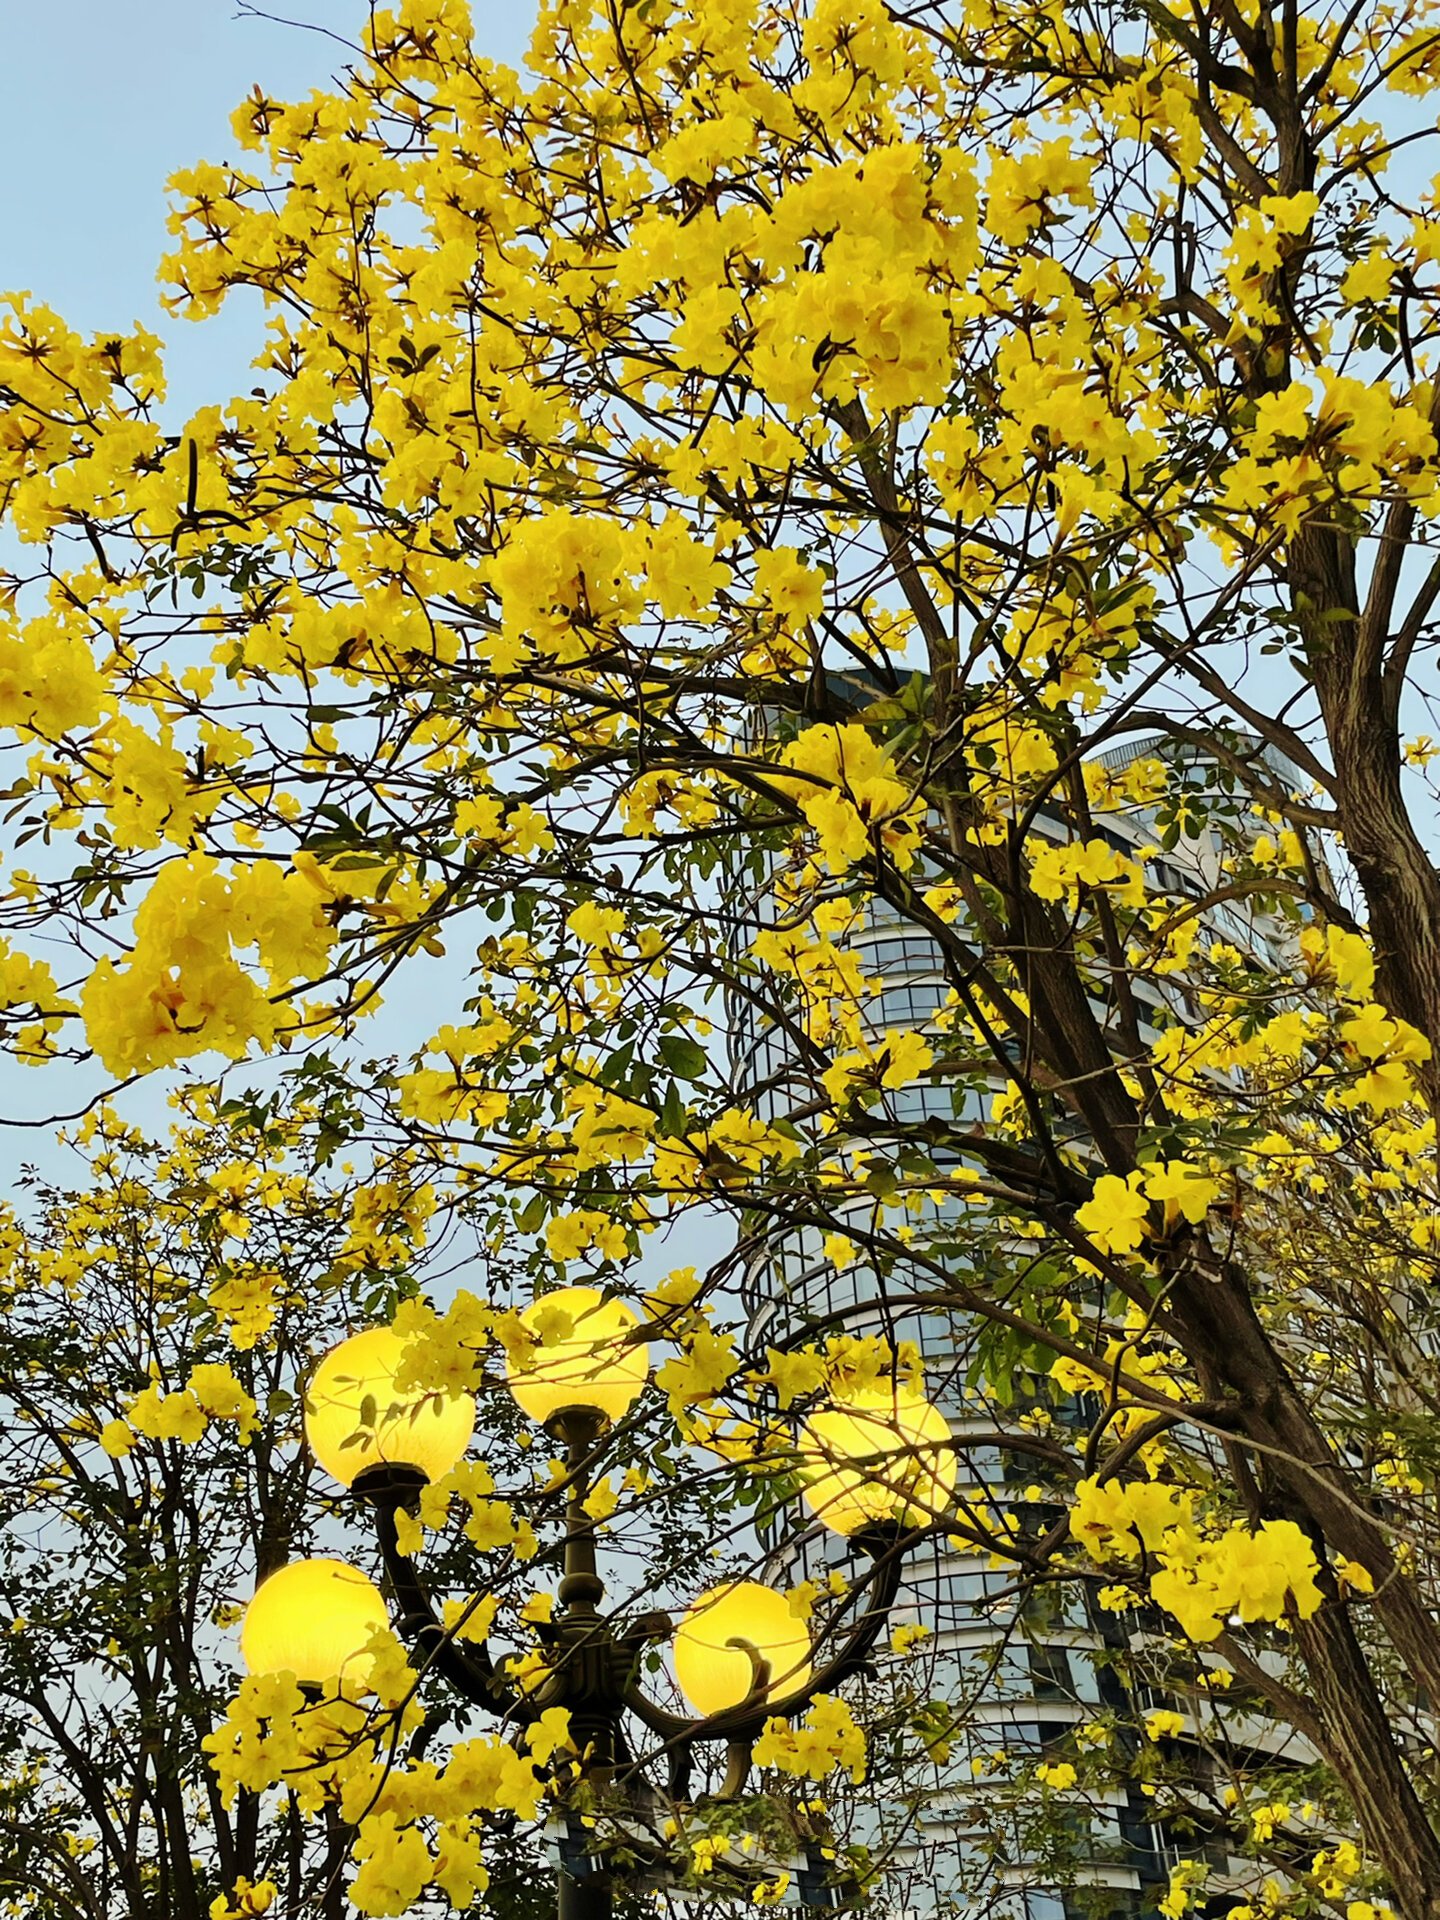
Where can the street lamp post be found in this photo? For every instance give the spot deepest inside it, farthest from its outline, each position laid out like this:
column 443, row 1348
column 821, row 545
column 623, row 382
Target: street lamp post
column 741, row 1657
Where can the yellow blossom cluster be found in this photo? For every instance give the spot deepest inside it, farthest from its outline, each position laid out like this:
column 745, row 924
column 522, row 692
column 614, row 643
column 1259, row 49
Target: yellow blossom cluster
column 1202, row 1581
column 826, row 1738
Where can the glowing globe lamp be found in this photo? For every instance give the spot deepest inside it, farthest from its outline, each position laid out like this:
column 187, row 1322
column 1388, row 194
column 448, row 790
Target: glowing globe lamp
column 714, row 1673
column 585, row 1357
column 313, row 1619
column 884, row 1455
column 355, row 1418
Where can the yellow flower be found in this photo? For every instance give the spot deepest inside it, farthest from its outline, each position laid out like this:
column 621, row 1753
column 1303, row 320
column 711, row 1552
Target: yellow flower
column 1058, row 872
column 470, row 1619
column 794, row 590
column 409, row 1533
column 1116, row 1216
column 900, row 1060
column 852, row 795
column 490, row 1524
column 1182, row 1190
column 794, row 1375
column 1100, row 1519
column 221, row 1396
column 906, row 1638
column 459, row 1871
column 700, row 1371
column 769, row 1893
column 1056, row 1773
column 1368, row 279
column 395, row 1865
column 597, row 926
column 168, row 1416
column 705, row 1851
column 1345, row 958
column 549, row 1735
column 116, row 1438
column 248, row 1899
column 827, row 1738
column 1350, row 1573
column 602, row 1499
column 802, row 1598
column 1185, row 1876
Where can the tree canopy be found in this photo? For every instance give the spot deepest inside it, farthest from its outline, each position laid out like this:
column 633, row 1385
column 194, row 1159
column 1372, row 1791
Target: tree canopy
column 763, row 475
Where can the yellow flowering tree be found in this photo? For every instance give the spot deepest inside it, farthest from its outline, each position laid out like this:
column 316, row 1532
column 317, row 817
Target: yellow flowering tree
column 766, row 499
column 156, row 1322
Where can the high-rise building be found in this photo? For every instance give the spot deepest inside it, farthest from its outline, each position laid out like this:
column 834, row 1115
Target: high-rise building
column 1018, row 1672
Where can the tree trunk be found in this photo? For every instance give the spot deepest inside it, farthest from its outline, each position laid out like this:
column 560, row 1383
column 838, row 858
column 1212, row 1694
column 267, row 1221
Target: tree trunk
column 1359, row 702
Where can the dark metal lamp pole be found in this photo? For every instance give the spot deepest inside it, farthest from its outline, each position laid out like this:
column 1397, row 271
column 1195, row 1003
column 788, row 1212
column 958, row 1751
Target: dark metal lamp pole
column 594, row 1660
column 587, row 1366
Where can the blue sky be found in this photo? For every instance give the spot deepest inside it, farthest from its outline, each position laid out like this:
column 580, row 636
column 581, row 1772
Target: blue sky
column 104, row 99
column 103, row 102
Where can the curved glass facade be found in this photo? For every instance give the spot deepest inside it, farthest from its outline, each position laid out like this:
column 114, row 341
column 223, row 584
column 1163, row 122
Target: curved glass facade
column 1017, row 1675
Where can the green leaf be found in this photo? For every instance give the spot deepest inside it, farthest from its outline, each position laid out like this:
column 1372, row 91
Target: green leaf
column 671, row 1123
column 617, row 1066
column 686, row 1058
column 532, row 1214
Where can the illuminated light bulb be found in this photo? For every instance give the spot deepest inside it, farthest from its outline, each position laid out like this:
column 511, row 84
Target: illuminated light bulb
column 714, row 1675
column 313, row 1619
column 594, row 1364
column 883, row 1455
column 354, row 1417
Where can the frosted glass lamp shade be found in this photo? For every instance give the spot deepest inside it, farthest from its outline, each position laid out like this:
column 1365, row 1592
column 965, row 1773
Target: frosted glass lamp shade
column 715, row 1674
column 313, row 1619
column 590, row 1363
column 881, row 1456
column 355, row 1419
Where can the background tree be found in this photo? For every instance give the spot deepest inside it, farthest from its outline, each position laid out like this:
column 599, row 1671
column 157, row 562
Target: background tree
column 158, row 1321
column 732, row 483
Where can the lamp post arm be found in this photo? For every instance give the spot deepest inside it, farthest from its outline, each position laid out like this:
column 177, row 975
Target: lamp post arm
column 387, row 1489
column 737, row 1769
column 739, row 1722
column 888, row 1548
column 678, row 1736
column 670, row 1726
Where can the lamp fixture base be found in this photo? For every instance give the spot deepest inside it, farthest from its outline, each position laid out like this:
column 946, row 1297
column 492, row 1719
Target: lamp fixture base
column 577, row 1428
column 390, row 1483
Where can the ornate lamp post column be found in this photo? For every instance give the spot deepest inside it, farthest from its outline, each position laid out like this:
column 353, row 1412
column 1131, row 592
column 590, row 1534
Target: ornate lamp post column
column 741, row 1657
